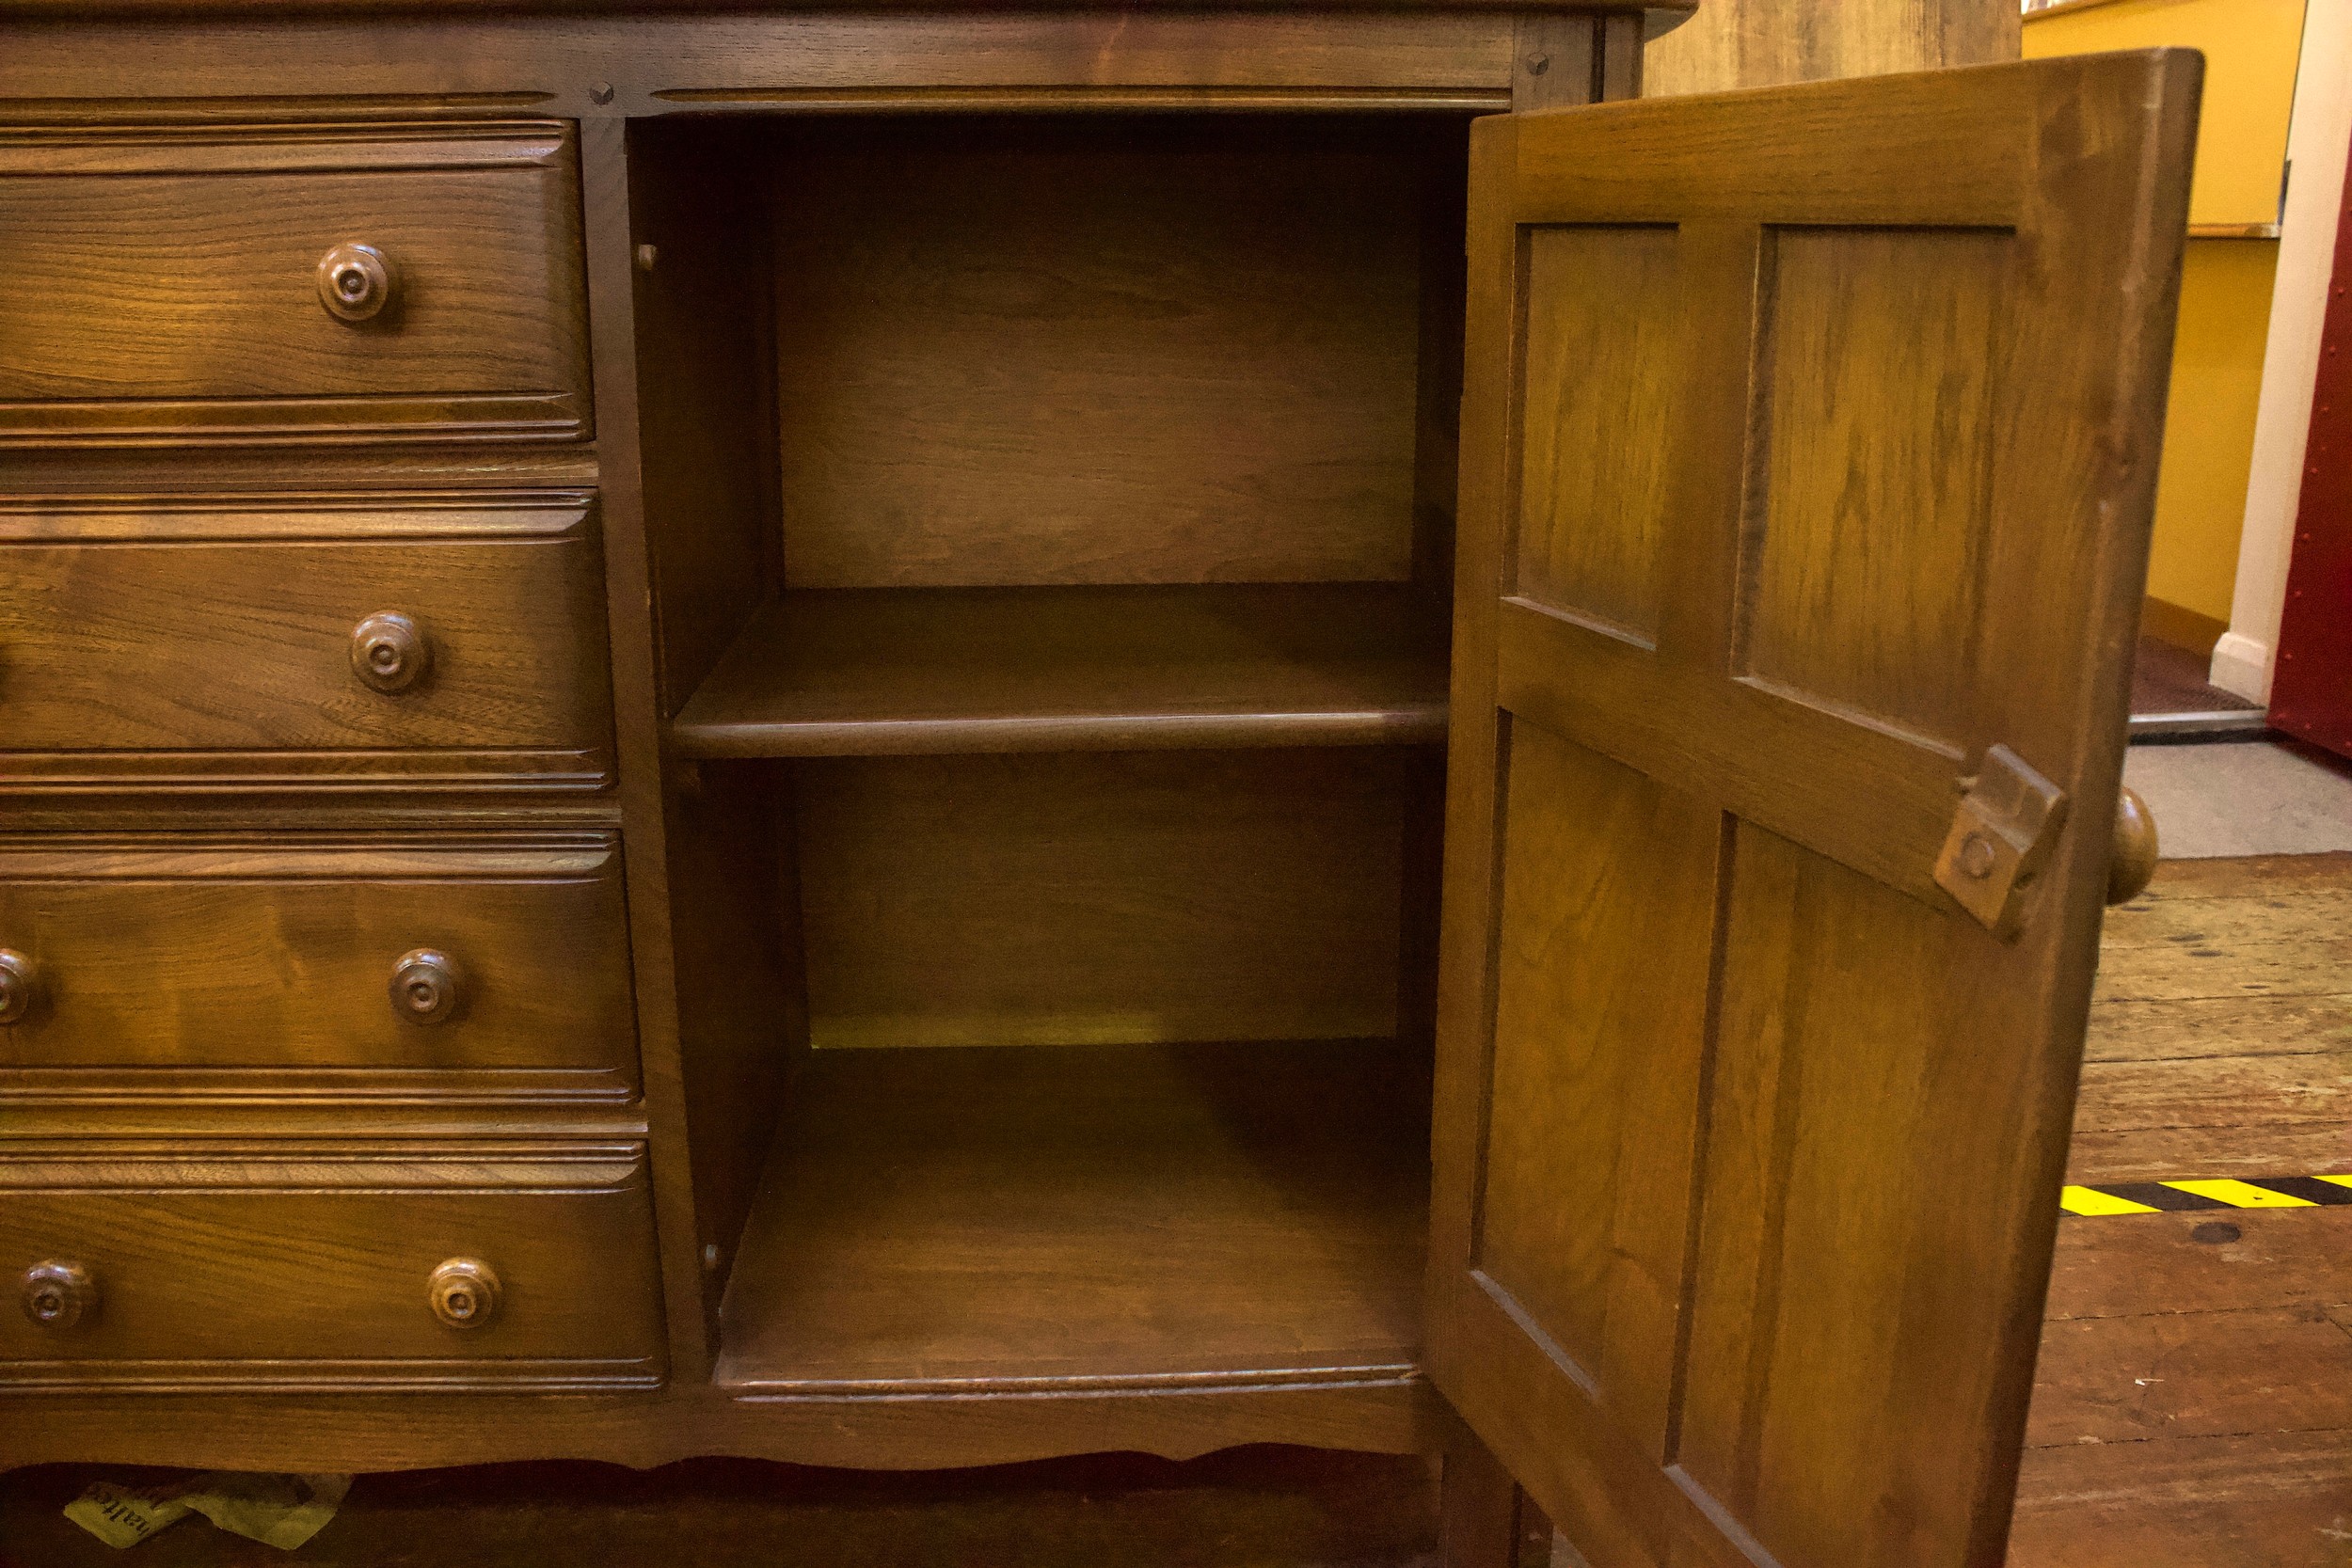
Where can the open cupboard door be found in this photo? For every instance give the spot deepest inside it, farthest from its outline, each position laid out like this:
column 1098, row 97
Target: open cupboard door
column 1809, row 451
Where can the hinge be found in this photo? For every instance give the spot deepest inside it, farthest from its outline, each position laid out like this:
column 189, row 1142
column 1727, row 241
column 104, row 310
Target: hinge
column 2002, row 836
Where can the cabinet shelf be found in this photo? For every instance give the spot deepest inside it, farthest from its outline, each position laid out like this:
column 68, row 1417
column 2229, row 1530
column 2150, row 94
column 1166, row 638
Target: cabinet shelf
column 880, row 672
column 1011, row 1218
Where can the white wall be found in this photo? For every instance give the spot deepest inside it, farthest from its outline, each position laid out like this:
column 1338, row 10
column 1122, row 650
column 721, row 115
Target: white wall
column 2316, row 147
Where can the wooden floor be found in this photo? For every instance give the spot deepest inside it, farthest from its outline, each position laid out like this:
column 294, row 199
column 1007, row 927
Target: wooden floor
column 2194, row 1409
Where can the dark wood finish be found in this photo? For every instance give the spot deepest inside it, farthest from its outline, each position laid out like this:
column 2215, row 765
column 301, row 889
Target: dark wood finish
column 314, row 1265
column 1059, row 381
column 1479, row 1510
column 863, row 673
column 256, row 967
column 691, row 1178
column 1125, row 897
column 1700, row 778
column 464, row 1293
column 1057, row 1220
column 475, row 618
column 2135, row 845
column 238, row 283
column 610, row 67
column 58, row 1296
column 1063, row 352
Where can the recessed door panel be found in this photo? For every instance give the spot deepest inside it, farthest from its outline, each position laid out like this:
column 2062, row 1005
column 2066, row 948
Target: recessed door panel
column 1808, row 469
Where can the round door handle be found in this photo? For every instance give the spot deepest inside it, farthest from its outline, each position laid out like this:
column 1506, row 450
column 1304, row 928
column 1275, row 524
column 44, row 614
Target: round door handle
column 389, row 651
column 59, row 1294
column 355, row 282
column 2135, row 858
column 425, row 987
column 20, row 986
column 464, row 1293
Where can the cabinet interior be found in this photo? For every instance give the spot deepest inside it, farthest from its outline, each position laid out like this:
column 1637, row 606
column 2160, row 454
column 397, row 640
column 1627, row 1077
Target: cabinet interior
column 1051, row 518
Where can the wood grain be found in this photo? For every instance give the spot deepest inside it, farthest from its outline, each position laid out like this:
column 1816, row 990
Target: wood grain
column 1065, row 1219
column 2272, row 1497
column 162, row 284
column 2255, row 1259
column 861, row 673
column 1048, row 354
column 2186, row 1374
column 1882, row 1086
column 1863, row 568
column 274, row 1266
column 1114, row 898
column 110, row 668
column 1603, row 303
column 1758, row 43
column 1597, row 1066
column 257, row 968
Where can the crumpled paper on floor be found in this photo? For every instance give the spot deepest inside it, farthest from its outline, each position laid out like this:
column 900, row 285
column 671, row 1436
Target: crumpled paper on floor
column 277, row 1510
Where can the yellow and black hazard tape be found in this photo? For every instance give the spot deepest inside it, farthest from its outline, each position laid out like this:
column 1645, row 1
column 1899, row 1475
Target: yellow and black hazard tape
column 2173, row 1198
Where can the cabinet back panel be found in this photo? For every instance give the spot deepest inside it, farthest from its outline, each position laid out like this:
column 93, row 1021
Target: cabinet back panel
column 1126, row 897
column 1094, row 352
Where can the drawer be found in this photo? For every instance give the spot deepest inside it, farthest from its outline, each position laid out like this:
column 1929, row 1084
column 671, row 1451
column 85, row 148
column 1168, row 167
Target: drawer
column 329, row 1266
column 452, row 967
column 308, row 641
column 361, row 282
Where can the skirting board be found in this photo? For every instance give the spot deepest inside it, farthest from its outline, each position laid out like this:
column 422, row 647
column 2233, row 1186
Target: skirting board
column 2242, row 666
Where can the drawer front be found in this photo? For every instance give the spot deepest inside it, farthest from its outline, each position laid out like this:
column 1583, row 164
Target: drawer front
column 328, row 1266
column 314, row 644
column 487, row 967
column 163, row 285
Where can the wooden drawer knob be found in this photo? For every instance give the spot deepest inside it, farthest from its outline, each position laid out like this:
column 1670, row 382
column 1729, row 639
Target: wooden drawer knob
column 464, row 1293
column 59, row 1294
column 425, row 987
column 355, row 282
column 389, row 651
column 2135, row 858
column 20, row 986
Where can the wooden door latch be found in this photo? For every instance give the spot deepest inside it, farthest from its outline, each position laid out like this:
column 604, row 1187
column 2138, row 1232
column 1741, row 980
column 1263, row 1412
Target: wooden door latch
column 2002, row 832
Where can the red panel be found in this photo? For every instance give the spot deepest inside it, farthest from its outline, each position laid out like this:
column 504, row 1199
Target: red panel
column 2310, row 696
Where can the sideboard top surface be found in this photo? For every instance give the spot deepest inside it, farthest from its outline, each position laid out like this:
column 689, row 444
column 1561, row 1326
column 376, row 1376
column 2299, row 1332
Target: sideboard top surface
column 240, row 10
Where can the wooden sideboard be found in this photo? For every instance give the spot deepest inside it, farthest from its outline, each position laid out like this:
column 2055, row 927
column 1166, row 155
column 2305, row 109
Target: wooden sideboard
column 740, row 730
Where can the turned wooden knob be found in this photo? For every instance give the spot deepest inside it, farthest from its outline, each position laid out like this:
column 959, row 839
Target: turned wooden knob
column 2135, row 858
column 388, row 651
column 464, row 1293
column 424, row 985
column 355, row 282
column 20, row 985
column 59, row 1294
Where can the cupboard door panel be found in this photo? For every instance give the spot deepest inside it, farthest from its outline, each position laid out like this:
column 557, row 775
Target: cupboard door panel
column 1785, row 758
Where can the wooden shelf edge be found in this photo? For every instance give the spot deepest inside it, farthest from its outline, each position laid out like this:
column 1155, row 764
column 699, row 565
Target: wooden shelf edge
column 1419, row 725
column 759, row 1386
column 931, row 671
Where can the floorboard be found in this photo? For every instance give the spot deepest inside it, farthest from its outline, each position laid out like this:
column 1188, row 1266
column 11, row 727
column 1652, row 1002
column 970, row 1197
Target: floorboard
column 2193, row 1405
